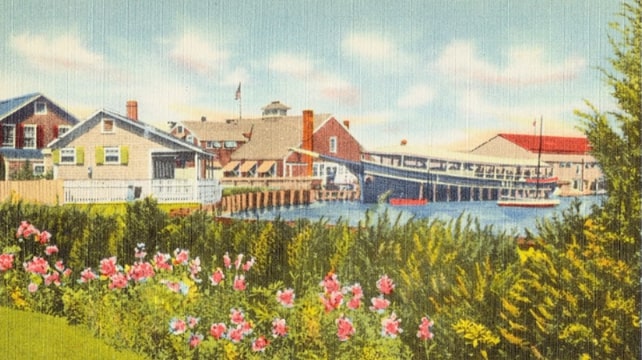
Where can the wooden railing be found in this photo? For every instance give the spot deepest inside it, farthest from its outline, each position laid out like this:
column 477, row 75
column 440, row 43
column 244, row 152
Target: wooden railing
column 207, row 191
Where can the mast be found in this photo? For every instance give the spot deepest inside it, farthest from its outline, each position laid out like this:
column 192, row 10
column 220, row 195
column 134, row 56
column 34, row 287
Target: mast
column 539, row 157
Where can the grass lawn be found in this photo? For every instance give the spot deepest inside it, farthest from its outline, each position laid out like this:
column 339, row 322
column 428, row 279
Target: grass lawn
column 26, row 335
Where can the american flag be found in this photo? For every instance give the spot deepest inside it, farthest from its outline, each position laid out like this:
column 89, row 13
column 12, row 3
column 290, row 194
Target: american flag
column 237, row 96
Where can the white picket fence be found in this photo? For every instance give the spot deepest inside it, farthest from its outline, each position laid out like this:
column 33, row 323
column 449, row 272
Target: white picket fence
column 204, row 191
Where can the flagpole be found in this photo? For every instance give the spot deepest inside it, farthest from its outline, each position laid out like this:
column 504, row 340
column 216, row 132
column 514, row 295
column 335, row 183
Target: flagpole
column 237, row 96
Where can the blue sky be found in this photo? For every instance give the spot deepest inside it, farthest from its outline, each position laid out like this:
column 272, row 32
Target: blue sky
column 445, row 73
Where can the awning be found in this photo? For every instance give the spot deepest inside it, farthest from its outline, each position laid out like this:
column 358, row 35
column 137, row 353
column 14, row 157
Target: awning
column 246, row 166
column 230, row 166
column 266, row 166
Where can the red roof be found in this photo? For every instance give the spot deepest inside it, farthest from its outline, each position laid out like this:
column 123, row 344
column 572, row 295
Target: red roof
column 550, row 144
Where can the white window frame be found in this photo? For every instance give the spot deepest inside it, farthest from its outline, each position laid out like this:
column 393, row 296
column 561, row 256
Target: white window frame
column 6, row 129
column 113, row 126
column 68, row 156
column 63, row 129
column 112, row 155
column 32, row 128
column 333, row 144
column 40, row 108
column 38, row 169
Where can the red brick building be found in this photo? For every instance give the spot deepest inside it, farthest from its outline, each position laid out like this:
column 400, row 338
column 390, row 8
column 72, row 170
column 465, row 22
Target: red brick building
column 28, row 124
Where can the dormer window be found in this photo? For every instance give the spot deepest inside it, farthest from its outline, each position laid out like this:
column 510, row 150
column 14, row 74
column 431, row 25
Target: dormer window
column 40, row 108
column 108, row 126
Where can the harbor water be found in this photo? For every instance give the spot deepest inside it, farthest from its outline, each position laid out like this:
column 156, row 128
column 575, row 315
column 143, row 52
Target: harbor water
column 503, row 219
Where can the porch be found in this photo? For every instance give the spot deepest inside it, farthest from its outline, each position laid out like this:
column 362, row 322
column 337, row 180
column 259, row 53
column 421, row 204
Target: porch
column 203, row 191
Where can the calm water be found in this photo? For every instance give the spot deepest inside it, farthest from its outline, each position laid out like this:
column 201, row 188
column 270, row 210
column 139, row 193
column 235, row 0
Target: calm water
column 511, row 220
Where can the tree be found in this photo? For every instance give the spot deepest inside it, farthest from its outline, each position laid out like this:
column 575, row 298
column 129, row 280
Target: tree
column 615, row 135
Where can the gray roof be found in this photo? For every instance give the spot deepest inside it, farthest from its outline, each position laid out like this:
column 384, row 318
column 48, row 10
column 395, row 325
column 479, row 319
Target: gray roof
column 10, row 106
column 138, row 127
column 272, row 138
column 218, row 131
column 31, row 154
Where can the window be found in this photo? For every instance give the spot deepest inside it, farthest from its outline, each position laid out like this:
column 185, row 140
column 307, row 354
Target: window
column 179, row 129
column 40, row 108
column 63, row 129
column 112, row 155
column 8, row 135
column 230, row 144
column 213, row 144
column 38, row 169
column 29, row 137
column 68, row 156
column 108, row 125
column 333, row 144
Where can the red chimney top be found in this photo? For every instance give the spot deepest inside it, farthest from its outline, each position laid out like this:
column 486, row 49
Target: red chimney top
column 132, row 109
column 346, row 123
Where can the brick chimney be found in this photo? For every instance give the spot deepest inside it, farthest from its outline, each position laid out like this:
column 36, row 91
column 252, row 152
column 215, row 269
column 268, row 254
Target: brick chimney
column 306, row 140
column 346, row 123
column 132, row 109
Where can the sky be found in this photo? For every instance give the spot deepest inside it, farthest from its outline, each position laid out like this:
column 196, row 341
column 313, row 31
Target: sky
column 445, row 73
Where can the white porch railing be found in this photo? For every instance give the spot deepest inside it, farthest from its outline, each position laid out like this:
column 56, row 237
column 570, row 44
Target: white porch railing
column 204, row 191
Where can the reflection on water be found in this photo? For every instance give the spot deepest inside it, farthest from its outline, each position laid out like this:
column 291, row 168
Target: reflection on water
column 510, row 220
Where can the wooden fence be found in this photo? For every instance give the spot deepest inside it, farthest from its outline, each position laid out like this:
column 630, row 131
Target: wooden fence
column 48, row 192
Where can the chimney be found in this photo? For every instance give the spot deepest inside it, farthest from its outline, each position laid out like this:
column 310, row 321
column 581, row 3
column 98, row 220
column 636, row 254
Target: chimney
column 346, row 123
column 306, row 141
column 203, row 119
column 132, row 109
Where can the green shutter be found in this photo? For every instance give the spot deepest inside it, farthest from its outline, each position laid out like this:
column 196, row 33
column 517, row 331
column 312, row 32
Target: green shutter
column 100, row 155
column 55, row 156
column 80, row 155
column 124, row 155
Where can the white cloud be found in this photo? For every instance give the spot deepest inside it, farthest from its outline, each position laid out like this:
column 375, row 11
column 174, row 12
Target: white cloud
column 416, row 96
column 368, row 46
column 64, row 52
column 198, row 54
column 327, row 85
column 524, row 66
column 291, row 64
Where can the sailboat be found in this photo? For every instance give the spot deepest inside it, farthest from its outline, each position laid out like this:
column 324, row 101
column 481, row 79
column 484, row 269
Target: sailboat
column 537, row 201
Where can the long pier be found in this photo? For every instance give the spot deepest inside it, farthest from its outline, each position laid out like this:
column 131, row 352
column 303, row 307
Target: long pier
column 277, row 198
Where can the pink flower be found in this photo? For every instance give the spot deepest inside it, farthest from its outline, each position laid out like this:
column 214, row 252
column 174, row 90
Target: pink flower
column 279, row 328
column 43, row 237
column 357, row 295
column 332, row 301
column 248, row 265
column 141, row 271
column 246, row 327
column 118, row 281
column 217, row 276
column 139, row 252
column 424, row 329
column 286, row 297
column 238, row 261
column 177, row 326
column 51, row 249
column 87, row 275
column 239, row 283
column 354, row 303
column 236, row 316
column 162, row 261
column 53, row 278
column 390, row 326
column 32, row 287
column 181, row 257
column 235, row 335
column 108, row 266
column 218, row 330
column 26, row 229
column 60, row 265
column 344, row 328
column 67, row 272
column 385, row 285
column 37, row 265
column 192, row 321
column 227, row 261
column 260, row 344
column 379, row 304
column 6, row 262
column 194, row 269
column 330, row 283
column 195, row 340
